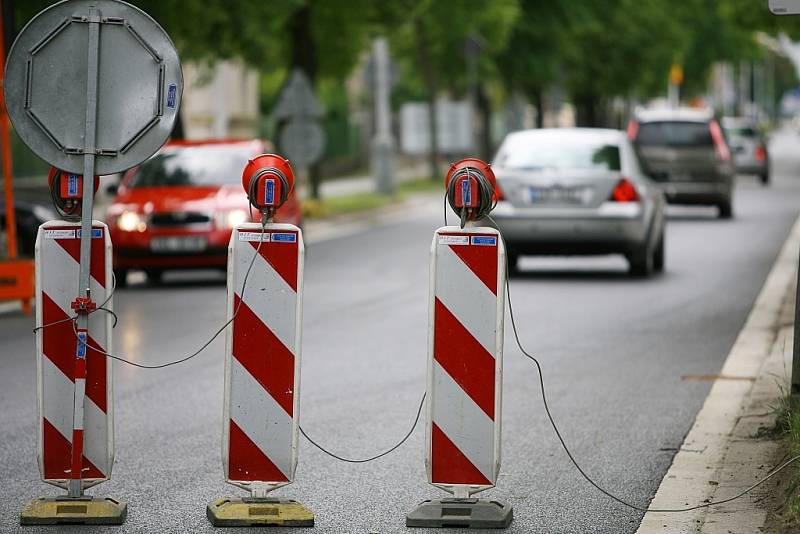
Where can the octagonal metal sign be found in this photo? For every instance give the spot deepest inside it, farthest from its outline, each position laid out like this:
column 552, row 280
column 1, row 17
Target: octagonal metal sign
column 139, row 87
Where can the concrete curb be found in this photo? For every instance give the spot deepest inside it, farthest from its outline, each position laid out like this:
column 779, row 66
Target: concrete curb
column 721, row 445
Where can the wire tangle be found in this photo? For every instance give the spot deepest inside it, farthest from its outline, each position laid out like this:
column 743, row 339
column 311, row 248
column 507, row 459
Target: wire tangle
column 68, row 208
column 486, row 196
column 101, row 307
column 221, row 329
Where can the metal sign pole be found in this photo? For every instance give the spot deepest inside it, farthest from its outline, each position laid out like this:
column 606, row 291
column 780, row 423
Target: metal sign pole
column 84, row 282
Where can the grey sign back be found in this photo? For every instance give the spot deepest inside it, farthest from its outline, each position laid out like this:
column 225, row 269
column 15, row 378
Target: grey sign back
column 138, row 91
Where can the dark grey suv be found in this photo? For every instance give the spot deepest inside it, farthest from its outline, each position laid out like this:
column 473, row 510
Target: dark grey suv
column 686, row 153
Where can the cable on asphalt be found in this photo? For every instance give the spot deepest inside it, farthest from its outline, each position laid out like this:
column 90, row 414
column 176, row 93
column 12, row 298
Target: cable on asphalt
column 589, row 479
column 205, row 345
column 371, row 458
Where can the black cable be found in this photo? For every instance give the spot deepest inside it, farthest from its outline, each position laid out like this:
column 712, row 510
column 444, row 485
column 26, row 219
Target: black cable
column 605, row 492
column 69, row 209
column 486, row 201
column 111, row 312
column 99, row 308
column 206, row 344
column 384, row 453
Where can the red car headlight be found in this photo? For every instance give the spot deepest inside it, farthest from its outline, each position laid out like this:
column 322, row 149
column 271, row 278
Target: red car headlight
column 130, row 221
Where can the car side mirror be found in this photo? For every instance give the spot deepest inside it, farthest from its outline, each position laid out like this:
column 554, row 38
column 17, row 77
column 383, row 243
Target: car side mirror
column 784, row 7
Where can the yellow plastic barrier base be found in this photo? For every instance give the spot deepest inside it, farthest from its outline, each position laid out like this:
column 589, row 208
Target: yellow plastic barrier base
column 79, row 511
column 251, row 512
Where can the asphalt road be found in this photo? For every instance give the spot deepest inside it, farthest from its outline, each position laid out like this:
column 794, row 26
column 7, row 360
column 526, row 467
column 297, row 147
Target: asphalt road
column 613, row 349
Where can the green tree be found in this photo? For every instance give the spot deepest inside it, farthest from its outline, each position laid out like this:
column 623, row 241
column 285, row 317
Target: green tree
column 530, row 61
column 428, row 39
column 617, row 48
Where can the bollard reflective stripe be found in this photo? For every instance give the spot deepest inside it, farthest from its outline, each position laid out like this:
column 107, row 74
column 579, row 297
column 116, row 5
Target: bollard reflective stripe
column 262, row 365
column 465, row 359
column 63, row 363
column 465, row 378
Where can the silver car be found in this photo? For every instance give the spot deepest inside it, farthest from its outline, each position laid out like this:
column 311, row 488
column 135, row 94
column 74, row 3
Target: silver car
column 748, row 146
column 578, row 191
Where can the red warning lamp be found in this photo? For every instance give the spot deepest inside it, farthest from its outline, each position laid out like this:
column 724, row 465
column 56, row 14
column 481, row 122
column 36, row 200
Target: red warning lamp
column 70, row 185
column 467, row 173
column 66, row 191
column 268, row 179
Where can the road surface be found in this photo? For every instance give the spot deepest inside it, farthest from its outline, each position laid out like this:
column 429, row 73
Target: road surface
column 614, row 351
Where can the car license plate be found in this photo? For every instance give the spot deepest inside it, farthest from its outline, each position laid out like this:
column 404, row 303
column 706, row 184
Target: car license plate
column 178, row 244
column 562, row 195
column 680, row 177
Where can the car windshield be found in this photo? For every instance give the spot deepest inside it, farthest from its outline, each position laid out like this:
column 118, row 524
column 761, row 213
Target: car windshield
column 193, row 166
column 528, row 154
column 674, row 133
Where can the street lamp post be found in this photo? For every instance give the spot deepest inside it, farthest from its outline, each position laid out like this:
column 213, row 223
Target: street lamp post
column 382, row 143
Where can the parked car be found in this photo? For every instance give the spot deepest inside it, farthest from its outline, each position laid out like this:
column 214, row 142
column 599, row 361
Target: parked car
column 686, row 152
column 749, row 147
column 30, row 214
column 177, row 209
column 577, row 191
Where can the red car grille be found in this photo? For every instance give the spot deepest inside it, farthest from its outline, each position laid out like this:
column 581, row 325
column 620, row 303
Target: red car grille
column 178, row 218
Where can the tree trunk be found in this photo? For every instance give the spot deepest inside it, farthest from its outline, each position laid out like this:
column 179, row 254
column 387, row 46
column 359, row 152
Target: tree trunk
column 538, row 99
column 586, row 110
column 423, row 57
column 304, row 56
column 9, row 28
column 178, row 132
column 485, row 110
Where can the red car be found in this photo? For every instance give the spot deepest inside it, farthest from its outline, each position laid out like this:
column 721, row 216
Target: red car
column 177, row 209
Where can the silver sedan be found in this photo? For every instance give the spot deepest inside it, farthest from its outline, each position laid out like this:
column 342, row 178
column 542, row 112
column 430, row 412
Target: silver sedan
column 578, row 191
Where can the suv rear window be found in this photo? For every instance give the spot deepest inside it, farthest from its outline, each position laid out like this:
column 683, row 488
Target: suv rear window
column 674, row 133
column 743, row 131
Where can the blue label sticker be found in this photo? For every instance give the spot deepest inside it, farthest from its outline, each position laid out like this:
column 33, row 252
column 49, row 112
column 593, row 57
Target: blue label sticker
column 81, row 353
column 72, row 185
column 284, row 238
column 466, row 193
column 269, row 192
column 96, row 232
column 484, row 240
column 172, row 95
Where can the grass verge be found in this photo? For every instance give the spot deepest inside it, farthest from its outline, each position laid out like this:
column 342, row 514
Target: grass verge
column 341, row 205
column 788, row 513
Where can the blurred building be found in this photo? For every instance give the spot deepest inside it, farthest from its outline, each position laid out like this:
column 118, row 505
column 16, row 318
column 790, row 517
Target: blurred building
column 220, row 100
column 454, row 127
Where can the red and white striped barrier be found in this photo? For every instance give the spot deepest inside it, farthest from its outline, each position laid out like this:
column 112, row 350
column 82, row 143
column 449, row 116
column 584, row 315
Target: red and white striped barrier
column 465, row 365
column 60, row 372
column 262, row 364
